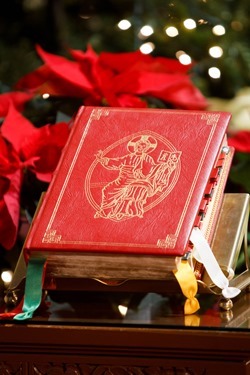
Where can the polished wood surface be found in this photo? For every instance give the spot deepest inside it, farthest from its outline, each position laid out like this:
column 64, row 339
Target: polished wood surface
column 78, row 333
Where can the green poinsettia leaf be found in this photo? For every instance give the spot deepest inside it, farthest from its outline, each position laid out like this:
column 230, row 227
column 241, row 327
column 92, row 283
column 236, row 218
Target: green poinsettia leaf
column 239, row 173
column 62, row 117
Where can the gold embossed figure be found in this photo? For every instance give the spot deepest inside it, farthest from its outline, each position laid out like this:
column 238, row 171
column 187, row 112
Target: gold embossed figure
column 139, row 178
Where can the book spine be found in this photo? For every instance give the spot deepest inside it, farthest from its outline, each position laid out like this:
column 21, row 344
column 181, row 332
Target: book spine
column 209, row 222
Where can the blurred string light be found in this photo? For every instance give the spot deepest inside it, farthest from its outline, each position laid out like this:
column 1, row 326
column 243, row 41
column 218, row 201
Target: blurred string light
column 6, row 277
column 147, row 48
column 189, row 24
column 215, row 52
column 183, row 58
column 124, row 24
column 218, row 30
column 179, row 53
column 171, row 31
column 214, row 72
column 146, row 31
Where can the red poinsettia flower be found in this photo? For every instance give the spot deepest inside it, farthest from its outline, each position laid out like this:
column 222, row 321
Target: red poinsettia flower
column 39, row 149
column 59, row 76
column 241, row 141
column 18, row 99
column 22, row 146
column 115, row 79
column 145, row 75
column 9, row 208
column 9, row 160
column 10, row 182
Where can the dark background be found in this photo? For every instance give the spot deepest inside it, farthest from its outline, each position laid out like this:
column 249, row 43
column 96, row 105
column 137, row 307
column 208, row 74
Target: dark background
column 55, row 24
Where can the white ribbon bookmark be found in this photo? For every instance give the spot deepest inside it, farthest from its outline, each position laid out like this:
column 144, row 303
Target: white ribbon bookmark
column 209, row 261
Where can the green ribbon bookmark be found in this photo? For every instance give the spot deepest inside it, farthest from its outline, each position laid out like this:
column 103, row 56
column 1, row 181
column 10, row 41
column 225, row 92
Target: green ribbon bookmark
column 33, row 288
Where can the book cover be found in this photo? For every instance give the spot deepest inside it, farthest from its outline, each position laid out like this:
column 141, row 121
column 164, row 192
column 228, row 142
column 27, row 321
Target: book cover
column 131, row 181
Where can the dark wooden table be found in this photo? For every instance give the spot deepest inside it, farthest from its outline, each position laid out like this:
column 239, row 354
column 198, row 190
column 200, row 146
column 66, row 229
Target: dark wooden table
column 88, row 333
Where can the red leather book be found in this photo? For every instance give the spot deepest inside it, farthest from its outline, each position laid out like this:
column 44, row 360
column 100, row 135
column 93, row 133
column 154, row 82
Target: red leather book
column 131, row 181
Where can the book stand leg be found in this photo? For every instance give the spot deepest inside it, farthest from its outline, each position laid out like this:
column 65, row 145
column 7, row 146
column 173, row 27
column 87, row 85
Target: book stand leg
column 230, row 245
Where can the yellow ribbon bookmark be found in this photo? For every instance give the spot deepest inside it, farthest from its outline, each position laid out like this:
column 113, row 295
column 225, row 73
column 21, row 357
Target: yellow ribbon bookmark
column 188, row 284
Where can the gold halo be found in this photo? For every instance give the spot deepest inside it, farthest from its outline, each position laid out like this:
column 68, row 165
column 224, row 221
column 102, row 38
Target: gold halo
column 151, row 141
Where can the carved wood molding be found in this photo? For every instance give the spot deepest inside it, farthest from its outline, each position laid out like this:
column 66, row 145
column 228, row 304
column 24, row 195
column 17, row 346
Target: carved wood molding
column 81, row 369
column 12, row 368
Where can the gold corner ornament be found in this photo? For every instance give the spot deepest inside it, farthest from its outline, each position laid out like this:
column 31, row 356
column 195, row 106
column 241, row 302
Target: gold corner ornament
column 211, row 118
column 167, row 243
column 51, row 236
